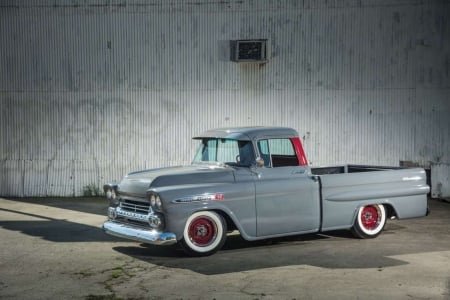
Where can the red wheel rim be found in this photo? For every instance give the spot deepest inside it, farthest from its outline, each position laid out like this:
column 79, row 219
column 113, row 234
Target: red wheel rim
column 370, row 217
column 202, row 231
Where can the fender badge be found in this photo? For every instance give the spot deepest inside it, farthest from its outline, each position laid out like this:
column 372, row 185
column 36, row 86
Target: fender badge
column 200, row 198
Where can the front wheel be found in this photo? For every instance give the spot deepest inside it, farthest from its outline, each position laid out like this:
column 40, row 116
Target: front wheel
column 370, row 221
column 204, row 233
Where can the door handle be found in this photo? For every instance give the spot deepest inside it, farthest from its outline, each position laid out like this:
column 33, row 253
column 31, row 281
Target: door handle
column 298, row 172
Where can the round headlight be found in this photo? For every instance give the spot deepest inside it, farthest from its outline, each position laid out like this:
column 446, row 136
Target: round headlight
column 152, row 200
column 158, row 202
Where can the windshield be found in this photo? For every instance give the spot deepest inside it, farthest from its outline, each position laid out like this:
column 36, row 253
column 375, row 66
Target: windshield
column 225, row 151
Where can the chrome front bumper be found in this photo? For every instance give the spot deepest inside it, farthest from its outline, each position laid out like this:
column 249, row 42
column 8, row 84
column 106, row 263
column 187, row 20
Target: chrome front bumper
column 140, row 235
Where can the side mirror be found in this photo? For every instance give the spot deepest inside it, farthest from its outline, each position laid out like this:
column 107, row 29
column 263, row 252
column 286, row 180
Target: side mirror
column 259, row 162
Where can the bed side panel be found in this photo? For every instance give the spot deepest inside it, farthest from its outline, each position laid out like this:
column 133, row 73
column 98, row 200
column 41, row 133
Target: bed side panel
column 343, row 194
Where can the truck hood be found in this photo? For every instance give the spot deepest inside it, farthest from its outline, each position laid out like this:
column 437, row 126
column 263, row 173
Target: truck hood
column 137, row 183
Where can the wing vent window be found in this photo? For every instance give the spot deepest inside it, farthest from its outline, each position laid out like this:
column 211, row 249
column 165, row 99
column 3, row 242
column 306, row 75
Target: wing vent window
column 249, row 51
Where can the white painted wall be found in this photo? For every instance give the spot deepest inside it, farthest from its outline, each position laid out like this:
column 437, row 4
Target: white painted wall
column 90, row 91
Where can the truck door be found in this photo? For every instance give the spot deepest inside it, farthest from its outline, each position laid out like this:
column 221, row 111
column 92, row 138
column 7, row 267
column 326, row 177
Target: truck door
column 287, row 198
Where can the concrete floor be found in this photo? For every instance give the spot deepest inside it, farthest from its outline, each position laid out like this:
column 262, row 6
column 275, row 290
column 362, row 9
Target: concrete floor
column 55, row 249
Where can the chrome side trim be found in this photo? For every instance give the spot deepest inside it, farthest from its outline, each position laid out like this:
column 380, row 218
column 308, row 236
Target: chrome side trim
column 149, row 236
column 200, row 198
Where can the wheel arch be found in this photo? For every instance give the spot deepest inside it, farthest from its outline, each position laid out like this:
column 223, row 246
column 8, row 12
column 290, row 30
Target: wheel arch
column 231, row 225
column 389, row 208
column 231, row 222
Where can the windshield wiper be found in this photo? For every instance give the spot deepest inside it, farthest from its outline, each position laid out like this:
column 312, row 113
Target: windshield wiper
column 209, row 163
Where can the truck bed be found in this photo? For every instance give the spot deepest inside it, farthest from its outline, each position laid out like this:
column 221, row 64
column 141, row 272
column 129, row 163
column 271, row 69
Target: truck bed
column 345, row 188
column 349, row 169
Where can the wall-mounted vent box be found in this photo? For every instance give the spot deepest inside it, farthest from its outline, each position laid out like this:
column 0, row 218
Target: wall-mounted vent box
column 249, row 51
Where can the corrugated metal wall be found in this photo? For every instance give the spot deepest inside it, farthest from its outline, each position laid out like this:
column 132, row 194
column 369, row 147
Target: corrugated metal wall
column 90, row 90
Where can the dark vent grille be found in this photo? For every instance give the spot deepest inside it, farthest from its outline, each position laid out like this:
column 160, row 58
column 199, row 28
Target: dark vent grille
column 124, row 220
column 249, row 51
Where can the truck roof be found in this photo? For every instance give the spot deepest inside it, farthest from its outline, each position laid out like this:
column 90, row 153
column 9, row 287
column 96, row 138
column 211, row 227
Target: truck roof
column 248, row 133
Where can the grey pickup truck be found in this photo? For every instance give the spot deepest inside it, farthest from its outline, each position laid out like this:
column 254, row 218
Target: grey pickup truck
column 257, row 180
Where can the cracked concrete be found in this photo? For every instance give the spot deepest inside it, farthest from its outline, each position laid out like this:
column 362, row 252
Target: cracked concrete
column 55, row 248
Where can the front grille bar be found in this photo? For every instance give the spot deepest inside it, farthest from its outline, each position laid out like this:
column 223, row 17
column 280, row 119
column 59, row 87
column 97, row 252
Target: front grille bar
column 135, row 206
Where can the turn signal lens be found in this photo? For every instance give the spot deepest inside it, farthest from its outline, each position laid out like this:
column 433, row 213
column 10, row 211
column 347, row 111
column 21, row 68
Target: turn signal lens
column 158, row 202
column 111, row 194
column 152, row 200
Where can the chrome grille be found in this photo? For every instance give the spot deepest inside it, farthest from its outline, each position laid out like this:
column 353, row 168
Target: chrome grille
column 135, row 206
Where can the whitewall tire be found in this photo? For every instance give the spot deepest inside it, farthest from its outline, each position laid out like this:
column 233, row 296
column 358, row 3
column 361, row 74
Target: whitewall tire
column 370, row 221
column 204, row 233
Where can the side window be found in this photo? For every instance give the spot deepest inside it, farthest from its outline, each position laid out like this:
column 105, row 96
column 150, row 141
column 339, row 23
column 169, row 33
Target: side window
column 281, row 147
column 278, row 152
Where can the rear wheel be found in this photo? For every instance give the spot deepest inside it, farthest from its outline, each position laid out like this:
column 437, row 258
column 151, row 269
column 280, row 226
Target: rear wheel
column 204, row 233
column 370, row 221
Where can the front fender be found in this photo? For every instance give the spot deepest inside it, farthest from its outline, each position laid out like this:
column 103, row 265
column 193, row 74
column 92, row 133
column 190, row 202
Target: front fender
column 234, row 200
column 177, row 215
